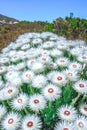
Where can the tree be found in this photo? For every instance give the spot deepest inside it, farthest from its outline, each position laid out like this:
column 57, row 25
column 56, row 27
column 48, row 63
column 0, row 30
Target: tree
column 71, row 15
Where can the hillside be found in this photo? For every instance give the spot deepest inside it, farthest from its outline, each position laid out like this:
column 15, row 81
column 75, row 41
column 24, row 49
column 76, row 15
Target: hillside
column 4, row 19
column 71, row 28
column 10, row 33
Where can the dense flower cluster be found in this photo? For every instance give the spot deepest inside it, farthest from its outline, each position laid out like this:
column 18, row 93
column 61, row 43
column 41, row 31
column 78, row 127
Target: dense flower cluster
column 43, row 83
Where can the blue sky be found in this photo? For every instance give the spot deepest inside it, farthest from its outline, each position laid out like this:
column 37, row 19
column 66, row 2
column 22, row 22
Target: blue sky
column 44, row 10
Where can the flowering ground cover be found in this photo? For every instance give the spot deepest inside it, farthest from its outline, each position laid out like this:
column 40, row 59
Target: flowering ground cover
column 43, row 83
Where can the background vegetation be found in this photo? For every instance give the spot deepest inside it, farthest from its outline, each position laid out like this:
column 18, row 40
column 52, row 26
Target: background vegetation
column 69, row 27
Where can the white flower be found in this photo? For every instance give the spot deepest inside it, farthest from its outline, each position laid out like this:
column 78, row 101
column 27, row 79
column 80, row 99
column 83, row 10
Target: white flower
column 53, row 38
column 36, row 41
column 20, row 66
column 6, row 49
column 37, row 102
column 25, row 40
column 83, row 109
column 52, row 65
column 67, row 113
column 25, row 46
column 11, row 53
column 38, row 51
column 2, row 111
column 16, row 46
column 30, row 62
column 11, row 121
column 64, row 125
column 27, row 76
column 15, row 58
column 8, row 93
column 37, row 67
column 45, row 53
column 4, row 60
column 11, row 75
column 80, row 86
column 81, row 123
column 74, row 52
column 75, row 66
column 31, row 54
column 11, row 68
column 59, row 78
column 62, row 46
column 55, row 53
column 45, row 59
column 51, row 92
column 48, row 44
column 39, row 81
column 20, row 102
column 23, row 56
column 62, row 62
column 71, row 75
column 20, row 53
column 81, row 48
column 45, row 35
column 2, row 69
column 31, row 122
column 50, row 75
column 16, row 82
column 82, row 58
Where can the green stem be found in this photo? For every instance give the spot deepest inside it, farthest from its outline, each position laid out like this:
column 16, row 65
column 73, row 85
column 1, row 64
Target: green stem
column 20, row 89
column 31, row 90
column 75, row 100
column 50, row 104
column 22, row 113
column 84, row 97
column 26, row 111
column 37, row 113
column 3, row 103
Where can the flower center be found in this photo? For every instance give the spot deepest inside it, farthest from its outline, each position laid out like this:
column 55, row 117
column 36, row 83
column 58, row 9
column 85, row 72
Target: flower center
column 48, row 43
column 81, row 125
column 50, row 90
column 85, row 108
column 10, row 67
column 70, row 74
column 61, row 45
column 62, row 60
column 65, row 129
column 10, row 74
column 4, row 59
column 15, row 57
column 80, row 46
column 36, row 101
column 31, row 61
column 44, row 59
column 19, row 100
column 25, row 55
column 30, row 124
column 1, row 68
column 67, row 113
column 74, row 66
column 81, row 85
column 10, row 121
column 59, row 78
column 45, row 52
column 28, row 75
column 51, row 65
column 10, row 91
column 84, row 57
